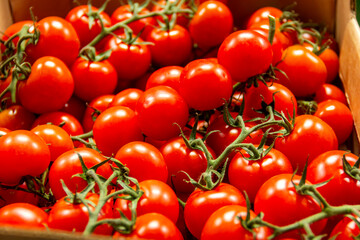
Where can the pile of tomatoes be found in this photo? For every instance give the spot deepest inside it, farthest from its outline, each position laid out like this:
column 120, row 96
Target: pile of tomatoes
column 167, row 121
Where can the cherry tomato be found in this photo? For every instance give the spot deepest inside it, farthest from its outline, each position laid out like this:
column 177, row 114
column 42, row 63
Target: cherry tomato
column 22, row 153
column 127, row 98
column 346, row 229
column 211, row 24
column 201, row 204
column 262, row 14
column 75, row 107
column 255, row 58
column 157, row 197
column 11, row 30
column 144, row 161
column 181, row 18
column 115, row 127
column 16, row 117
column 93, row 79
column 331, row 111
column 168, row 76
column 330, row 91
column 204, row 84
column 158, row 109
column 310, row 137
column 282, row 205
column 224, row 223
column 171, row 47
column 48, row 87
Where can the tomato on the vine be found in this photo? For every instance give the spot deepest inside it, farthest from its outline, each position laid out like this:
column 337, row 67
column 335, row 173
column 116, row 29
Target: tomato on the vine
column 16, row 117
column 168, row 76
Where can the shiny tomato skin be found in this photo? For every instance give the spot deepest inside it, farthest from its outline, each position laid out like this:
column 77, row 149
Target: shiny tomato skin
column 201, row 204
column 157, row 197
column 331, row 61
column 115, row 127
column 310, row 137
column 49, row 86
column 224, row 223
column 305, row 71
column 281, row 205
column 16, row 117
column 152, row 226
column 168, row 76
column 22, row 153
column 127, row 98
column 330, row 111
column 80, row 21
column 341, row 189
column 144, row 161
column 171, row 47
column 245, row 53
column 211, row 24
column 13, row 29
column 330, row 91
column 346, row 229
column 58, row 38
column 23, row 215
column 4, row 131
column 262, row 14
column 277, row 45
column 68, row 164
column 204, row 84
column 249, row 175
column 93, row 79
column 158, row 109
column 57, row 139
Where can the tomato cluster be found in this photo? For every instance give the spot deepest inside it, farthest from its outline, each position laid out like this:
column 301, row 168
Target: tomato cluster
column 167, row 121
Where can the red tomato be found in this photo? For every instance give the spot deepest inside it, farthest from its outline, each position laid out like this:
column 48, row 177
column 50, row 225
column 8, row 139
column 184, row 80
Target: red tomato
column 342, row 188
column 255, row 58
column 93, row 79
column 99, row 104
column 152, row 226
column 181, row 18
column 144, row 161
column 331, row 60
column 310, row 137
column 16, row 117
column 56, row 138
column 68, row 164
column 204, row 84
column 79, row 19
column 11, row 30
column 224, row 223
column 331, row 111
column 22, row 153
column 211, row 24
column 130, row 61
column 69, row 216
column 9, row 196
column 178, row 158
column 262, row 14
column 171, row 47
column 330, row 91
column 158, row 109
column 282, row 205
column 58, row 38
column 127, row 98
column 305, row 72
column 115, row 127
column 168, row 76
column 75, row 107
column 250, row 175
column 23, row 215
column 201, row 204
column 48, row 87
column 346, row 229
column 157, row 197
column 4, row 131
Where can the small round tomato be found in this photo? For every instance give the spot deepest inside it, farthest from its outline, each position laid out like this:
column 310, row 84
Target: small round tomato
column 346, row 229
column 255, row 58
column 58, row 38
column 127, row 98
column 152, row 226
column 181, row 18
column 168, row 76
column 157, row 197
column 249, row 175
column 68, row 164
column 201, row 204
column 11, row 30
column 75, row 107
column 331, row 60
column 211, row 24
column 56, row 138
column 281, row 205
column 338, row 116
column 79, row 19
column 22, row 153
column 16, row 117
column 330, row 91
column 224, row 223
column 143, row 160
column 310, row 137
column 49, row 86
column 115, row 127
column 204, row 84
column 93, row 79
column 262, row 14
column 305, row 71
column 158, row 110
column 23, row 215
column 170, row 47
